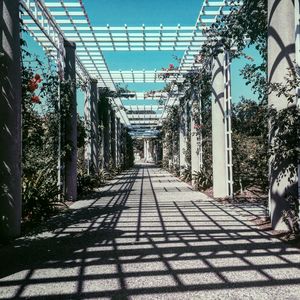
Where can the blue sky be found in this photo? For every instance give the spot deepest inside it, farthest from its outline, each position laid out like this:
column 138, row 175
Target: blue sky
column 138, row 12
column 149, row 13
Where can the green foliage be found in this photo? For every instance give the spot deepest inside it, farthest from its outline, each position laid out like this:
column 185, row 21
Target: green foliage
column 170, row 137
column 255, row 76
column 285, row 124
column 195, row 84
column 200, row 83
column 244, row 26
column 203, row 179
column 174, row 169
column 129, row 154
column 250, row 132
column 81, row 132
column 206, row 129
column 250, row 145
column 186, row 174
column 86, row 183
column 138, row 146
column 165, row 163
column 291, row 215
column 234, row 33
column 41, row 119
column 39, row 138
column 39, row 191
column 285, row 139
column 237, row 30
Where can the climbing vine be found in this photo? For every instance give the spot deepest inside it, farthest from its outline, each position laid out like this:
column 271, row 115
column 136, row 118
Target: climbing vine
column 39, row 136
column 42, row 119
column 234, row 33
column 251, row 152
column 170, row 137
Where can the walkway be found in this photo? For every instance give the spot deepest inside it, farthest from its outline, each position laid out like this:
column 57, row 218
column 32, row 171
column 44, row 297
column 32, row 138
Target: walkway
column 150, row 236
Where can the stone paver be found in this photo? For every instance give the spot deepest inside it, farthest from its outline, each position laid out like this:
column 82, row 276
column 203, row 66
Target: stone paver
column 149, row 236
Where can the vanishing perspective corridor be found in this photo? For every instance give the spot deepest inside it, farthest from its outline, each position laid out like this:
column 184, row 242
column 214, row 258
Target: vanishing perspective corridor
column 146, row 235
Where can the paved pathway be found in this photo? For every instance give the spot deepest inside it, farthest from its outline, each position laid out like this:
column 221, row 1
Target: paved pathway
column 149, row 236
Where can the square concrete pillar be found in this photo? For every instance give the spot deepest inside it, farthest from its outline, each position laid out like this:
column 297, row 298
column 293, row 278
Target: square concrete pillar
column 218, row 128
column 70, row 128
column 106, row 132
column 195, row 140
column 281, row 57
column 118, row 141
column 182, row 136
column 145, row 150
column 92, row 126
column 10, row 120
column 113, row 136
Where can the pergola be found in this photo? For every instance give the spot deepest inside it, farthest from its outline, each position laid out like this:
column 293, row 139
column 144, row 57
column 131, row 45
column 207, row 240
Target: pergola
column 49, row 22
column 52, row 22
column 78, row 47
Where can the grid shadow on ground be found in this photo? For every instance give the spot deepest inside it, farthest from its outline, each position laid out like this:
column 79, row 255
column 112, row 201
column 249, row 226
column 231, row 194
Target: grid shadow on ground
column 150, row 236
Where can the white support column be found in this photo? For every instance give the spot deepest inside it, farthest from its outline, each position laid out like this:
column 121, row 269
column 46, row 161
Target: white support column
column 92, row 124
column 145, row 150
column 150, row 150
column 10, row 120
column 160, row 151
column 182, row 137
column 195, row 150
column 87, row 125
column 124, row 144
column 106, row 134
column 113, row 136
column 94, row 128
column 228, row 129
column 218, row 128
column 156, row 151
column 187, row 113
column 100, row 110
column 200, row 133
column 118, row 141
column 281, row 57
column 164, row 152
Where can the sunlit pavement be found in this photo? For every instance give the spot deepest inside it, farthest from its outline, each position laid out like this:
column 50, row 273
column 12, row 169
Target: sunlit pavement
column 149, row 236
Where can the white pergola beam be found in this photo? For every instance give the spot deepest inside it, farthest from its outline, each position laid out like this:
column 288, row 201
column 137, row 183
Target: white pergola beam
column 46, row 20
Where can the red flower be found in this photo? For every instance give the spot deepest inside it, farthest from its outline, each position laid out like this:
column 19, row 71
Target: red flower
column 37, row 78
column 171, row 66
column 35, row 99
column 31, row 86
column 33, row 83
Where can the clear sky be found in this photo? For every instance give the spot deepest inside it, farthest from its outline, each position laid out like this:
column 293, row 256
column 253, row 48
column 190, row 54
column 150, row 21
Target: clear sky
column 149, row 13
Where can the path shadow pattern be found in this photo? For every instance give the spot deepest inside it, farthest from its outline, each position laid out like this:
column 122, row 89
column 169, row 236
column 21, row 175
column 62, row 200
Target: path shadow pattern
column 149, row 237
